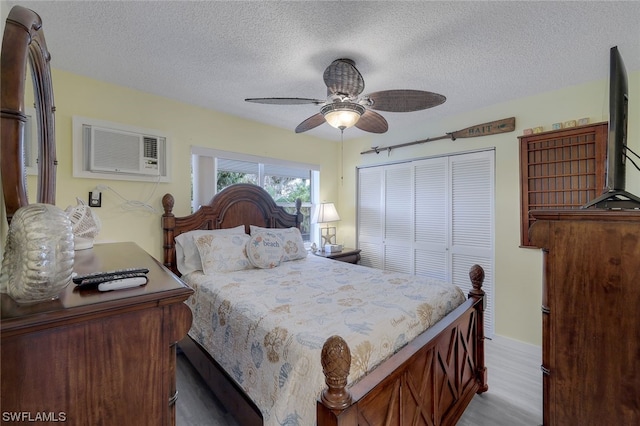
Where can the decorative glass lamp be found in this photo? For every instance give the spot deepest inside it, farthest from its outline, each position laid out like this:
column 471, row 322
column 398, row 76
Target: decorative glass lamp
column 38, row 258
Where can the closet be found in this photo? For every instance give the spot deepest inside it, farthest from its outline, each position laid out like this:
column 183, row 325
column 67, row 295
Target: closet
column 432, row 217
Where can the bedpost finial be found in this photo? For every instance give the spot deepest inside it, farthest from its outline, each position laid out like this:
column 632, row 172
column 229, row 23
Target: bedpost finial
column 336, row 363
column 476, row 274
column 167, row 203
column 299, row 215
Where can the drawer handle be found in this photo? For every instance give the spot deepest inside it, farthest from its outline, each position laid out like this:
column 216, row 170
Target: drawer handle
column 173, row 399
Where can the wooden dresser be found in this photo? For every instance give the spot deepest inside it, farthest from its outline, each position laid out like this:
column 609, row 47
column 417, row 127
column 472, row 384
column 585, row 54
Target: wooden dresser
column 591, row 316
column 93, row 358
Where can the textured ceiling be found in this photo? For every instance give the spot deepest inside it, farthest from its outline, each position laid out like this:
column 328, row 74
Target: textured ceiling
column 216, row 54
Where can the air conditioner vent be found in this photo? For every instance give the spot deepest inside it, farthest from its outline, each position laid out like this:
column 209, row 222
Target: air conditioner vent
column 114, row 151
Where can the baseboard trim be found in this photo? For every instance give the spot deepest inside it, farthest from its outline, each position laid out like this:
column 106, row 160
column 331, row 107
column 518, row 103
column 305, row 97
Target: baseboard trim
column 518, row 345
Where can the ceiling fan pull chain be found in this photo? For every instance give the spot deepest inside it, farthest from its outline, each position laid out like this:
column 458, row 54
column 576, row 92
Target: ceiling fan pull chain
column 342, row 156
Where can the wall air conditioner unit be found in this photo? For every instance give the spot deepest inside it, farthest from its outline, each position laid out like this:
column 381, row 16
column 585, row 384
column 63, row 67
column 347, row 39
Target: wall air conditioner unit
column 117, row 151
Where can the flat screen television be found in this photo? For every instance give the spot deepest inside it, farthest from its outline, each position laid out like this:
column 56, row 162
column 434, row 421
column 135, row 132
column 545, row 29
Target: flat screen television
column 615, row 195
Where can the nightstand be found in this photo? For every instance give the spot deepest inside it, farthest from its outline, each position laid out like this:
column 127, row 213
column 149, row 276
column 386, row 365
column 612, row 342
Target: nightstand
column 346, row 255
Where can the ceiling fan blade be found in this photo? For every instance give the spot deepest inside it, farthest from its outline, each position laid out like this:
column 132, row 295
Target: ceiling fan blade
column 310, row 123
column 372, row 122
column 285, row 101
column 343, row 78
column 404, row 100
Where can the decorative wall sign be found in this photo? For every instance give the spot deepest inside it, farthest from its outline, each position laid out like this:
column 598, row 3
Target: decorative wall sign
column 491, row 128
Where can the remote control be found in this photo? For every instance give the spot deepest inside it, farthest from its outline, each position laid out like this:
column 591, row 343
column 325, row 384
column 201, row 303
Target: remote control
column 81, row 278
column 99, row 279
column 123, row 283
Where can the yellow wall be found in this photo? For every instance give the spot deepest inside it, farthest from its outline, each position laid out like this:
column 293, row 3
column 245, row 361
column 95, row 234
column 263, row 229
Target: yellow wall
column 517, row 270
column 186, row 126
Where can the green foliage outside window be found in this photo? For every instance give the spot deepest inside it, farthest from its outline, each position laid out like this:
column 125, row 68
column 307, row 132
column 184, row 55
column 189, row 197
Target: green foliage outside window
column 229, row 178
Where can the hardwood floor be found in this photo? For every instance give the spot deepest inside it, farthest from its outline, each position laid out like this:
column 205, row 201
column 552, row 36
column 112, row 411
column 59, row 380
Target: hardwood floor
column 196, row 404
column 515, row 387
column 514, row 397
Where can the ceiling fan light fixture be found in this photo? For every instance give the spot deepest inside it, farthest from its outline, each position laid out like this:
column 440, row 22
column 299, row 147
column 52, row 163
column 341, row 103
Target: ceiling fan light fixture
column 342, row 115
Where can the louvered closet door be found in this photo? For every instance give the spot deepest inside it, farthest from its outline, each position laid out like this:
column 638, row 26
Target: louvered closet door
column 431, row 217
column 370, row 214
column 472, row 222
column 398, row 218
column 385, row 219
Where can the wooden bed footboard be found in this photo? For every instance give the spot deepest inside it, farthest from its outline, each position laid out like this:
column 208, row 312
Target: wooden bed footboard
column 428, row 382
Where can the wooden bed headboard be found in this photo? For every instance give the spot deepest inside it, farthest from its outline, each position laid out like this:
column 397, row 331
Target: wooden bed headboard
column 239, row 204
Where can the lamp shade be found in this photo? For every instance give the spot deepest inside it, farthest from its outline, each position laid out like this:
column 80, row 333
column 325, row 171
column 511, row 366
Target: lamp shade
column 325, row 212
column 342, row 115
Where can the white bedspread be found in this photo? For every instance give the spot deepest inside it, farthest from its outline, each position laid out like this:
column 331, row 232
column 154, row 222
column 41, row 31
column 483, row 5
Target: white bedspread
column 266, row 327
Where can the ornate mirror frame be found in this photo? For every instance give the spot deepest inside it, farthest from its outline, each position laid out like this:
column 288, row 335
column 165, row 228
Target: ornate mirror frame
column 24, row 38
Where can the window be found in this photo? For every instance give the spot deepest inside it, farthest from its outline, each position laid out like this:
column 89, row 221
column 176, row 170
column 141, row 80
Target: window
column 30, row 145
column 561, row 169
column 285, row 181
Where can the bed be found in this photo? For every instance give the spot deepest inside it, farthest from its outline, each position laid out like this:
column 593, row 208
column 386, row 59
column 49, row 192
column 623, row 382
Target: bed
column 424, row 376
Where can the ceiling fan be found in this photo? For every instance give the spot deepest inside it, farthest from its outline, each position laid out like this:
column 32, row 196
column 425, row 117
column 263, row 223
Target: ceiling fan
column 345, row 107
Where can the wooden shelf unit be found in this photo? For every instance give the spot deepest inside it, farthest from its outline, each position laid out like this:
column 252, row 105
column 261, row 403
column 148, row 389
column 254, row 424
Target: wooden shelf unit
column 561, row 169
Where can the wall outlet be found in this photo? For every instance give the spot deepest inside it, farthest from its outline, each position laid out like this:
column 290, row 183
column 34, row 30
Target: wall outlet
column 95, row 198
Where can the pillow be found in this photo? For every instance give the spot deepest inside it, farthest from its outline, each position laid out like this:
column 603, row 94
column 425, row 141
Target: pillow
column 187, row 256
column 291, row 241
column 222, row 253
column 264, row 250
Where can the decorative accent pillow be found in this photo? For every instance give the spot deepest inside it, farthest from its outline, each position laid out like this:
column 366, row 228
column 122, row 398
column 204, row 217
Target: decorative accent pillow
column 223, row 253
column 291, row 241
column 187, row 256
column 264, row 250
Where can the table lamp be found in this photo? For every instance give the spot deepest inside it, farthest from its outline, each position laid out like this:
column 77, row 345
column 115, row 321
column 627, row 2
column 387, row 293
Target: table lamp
column 326, row 213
